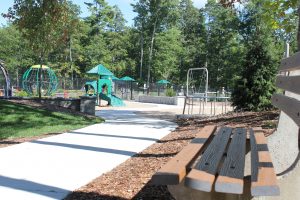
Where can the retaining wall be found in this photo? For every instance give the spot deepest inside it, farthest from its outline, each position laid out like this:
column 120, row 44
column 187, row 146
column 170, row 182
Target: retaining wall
column 178, row 100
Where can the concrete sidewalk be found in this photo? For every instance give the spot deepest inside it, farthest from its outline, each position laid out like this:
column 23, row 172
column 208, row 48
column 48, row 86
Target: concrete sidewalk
column 52, row 167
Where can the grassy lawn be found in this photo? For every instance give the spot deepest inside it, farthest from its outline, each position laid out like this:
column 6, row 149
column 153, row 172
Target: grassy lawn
column 23, row 121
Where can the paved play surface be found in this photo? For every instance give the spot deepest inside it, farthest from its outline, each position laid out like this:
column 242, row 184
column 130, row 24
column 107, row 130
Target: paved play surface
column 52, row 167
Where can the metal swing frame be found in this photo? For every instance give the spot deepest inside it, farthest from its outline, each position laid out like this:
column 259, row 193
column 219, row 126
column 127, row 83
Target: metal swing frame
column 7, row 89
column 188, row 79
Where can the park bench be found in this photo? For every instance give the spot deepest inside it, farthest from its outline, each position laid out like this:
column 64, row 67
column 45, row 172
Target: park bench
column 215, row 160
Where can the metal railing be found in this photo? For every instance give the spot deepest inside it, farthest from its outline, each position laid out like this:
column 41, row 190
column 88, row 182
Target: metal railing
column 202, row 105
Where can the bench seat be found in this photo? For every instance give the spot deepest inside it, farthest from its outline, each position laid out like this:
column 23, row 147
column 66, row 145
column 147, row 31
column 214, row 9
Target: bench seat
column 215, row 158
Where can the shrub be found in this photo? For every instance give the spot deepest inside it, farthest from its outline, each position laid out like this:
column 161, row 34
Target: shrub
column 253, row 91
column 21, row 93
column 170, row 92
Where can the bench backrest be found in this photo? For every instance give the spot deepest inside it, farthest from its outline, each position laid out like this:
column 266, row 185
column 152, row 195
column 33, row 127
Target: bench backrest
column 289, row 103
column 284, row 143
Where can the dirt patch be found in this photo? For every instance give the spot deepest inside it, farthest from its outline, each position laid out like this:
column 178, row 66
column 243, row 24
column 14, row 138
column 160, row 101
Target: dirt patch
column 131, row 179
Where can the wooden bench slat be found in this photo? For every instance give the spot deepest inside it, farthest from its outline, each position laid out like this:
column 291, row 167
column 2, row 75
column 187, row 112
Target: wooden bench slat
column 263, row 177
column 174, row 171
column 290, row 63
column 289, row 83
column 288, row 105
column 230, row 179
column 202, row 176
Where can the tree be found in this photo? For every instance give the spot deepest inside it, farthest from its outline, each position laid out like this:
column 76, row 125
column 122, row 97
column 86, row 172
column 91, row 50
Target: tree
column 101, row 18
column 160, row 15
column 140, row 21
column 14, row 51
column 193, row 37
column 43, row 23
column 224, row 46
column 255, row 87
column 283, row 16
column 166, row 58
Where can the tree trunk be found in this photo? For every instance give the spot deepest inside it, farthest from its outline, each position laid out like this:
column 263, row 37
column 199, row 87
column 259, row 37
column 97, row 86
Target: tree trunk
column 150, row 53
column 298, row 35
column 142, row 54
column 71, row 64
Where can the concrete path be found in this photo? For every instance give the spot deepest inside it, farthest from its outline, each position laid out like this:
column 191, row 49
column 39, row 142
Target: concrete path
column 52, row 167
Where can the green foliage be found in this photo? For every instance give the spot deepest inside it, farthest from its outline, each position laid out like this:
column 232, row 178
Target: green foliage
column 281, row 14
column 14, row 50
column 255, row 87
column 166, row 58
column 21, row 93
column 193, row 39
column 170, row 92
column 225, row 49
column 42, row 23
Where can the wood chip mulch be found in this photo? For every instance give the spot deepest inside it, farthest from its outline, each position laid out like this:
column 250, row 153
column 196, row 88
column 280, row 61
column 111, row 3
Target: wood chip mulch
column 131, row 179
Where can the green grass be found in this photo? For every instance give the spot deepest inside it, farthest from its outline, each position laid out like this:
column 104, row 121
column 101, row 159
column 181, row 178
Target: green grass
column 24, row 121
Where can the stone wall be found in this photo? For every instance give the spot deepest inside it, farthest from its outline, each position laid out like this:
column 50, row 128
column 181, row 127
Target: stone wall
column 161, row 100
column 73, row 104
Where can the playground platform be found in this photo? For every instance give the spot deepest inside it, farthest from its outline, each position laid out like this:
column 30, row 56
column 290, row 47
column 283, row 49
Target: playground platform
column 52, row 167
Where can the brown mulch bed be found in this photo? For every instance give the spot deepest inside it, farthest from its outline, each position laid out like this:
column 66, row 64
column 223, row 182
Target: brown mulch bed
column 131, row 179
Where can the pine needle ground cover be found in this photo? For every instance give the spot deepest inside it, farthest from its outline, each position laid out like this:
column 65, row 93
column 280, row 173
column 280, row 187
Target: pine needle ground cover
column 18, row 120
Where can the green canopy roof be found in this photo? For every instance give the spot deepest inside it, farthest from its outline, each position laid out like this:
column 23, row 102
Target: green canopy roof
column 100, row 70
column 112, row 77
column 127, row 78
column 163, row 82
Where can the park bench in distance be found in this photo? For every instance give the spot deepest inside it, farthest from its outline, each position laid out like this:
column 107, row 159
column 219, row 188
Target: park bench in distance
column 214, row 161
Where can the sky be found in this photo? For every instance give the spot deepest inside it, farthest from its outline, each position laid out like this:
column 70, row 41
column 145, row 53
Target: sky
column 124, row 5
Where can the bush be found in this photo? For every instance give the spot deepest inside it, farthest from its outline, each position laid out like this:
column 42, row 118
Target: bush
column 21, row 93
column 253, row 91
column 170, row 92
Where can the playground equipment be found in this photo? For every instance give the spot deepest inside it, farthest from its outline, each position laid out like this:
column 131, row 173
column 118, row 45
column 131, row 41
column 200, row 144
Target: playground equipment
column 194, row 86
column 96, row 88
column 31, row 80
column 5, row 87
column 197, row 95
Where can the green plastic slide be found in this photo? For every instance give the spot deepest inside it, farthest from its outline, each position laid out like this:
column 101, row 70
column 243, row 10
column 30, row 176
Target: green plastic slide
column 112, row 100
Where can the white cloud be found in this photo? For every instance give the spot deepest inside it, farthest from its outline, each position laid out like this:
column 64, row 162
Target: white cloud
column 199, row 3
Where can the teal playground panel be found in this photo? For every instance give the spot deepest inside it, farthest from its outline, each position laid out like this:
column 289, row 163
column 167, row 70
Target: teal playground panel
column 95, row 87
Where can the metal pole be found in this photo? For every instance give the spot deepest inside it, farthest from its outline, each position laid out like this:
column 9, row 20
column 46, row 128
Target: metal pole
column 184, row 105
column 130, row 90
column 206, row 85
column 211, row 107
column 192, row 106
column 287, row 50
